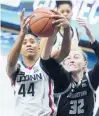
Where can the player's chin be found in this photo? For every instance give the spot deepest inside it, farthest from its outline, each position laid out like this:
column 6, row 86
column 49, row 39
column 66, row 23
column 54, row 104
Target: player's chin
column 76, row 70
column 73, row 70
column 31, row 55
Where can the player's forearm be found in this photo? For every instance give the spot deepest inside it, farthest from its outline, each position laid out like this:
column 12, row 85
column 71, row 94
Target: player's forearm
column 15, row 51
column 46, row 52
column 66, row 43
column 42, row 43
column 95, row 47
column 92, row 39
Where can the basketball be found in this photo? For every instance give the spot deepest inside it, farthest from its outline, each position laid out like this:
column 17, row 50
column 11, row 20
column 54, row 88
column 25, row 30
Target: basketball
column 41, row 22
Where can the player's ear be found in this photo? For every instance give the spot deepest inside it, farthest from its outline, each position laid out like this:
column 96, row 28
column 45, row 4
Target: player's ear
column 71, row 14
column 85, row 65
column 21, row 51
column 38, row 47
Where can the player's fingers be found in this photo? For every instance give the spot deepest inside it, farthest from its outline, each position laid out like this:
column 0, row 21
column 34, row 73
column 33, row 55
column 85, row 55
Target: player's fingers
column 59, row 25
column 24, row 27
column 57, row 21
column 55, row 12
column 32, row 15
column 27, row 20
column 22, row 15
column 82, row 24
column 56, row 16
column 79, row 19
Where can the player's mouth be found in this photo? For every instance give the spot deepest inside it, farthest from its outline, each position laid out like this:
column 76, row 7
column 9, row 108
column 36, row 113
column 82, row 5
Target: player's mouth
column 30, row 50
column 72, row 65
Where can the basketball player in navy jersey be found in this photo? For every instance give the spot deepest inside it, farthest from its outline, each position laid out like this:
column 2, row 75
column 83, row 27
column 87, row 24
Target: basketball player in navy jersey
column 33, row 89
column 75, row 84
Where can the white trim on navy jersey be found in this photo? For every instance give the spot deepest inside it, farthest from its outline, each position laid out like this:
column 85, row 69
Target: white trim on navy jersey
column 90, row 85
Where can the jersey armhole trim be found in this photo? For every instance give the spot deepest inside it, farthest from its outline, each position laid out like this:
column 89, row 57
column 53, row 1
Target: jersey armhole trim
column 14, row 76
column 77, row 34
column 61, row 93
column 90, row 85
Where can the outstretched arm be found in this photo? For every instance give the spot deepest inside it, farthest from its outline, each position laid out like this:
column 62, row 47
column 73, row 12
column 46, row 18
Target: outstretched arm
column 46, row 52
column 15, row 51
column 62, row 53
column 94, row 73
column 51, row 66
column 59, row 55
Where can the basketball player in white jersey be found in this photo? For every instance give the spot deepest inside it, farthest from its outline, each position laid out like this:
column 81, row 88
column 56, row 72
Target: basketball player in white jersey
column 33, row 89
column 65, row 8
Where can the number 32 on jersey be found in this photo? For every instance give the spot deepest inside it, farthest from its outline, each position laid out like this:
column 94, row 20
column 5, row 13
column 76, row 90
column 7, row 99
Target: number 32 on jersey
column 77, row 106
column 22, row 90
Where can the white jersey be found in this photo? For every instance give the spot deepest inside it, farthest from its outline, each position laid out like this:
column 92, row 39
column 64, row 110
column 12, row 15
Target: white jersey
column 33, row 92
column 59, row 39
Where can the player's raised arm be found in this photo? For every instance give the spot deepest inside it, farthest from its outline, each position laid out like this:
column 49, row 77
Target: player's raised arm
column 46, row 52
column 94, row 73
column 66, row 43
column 52, row 66
column 62, row 53
column 15, row 51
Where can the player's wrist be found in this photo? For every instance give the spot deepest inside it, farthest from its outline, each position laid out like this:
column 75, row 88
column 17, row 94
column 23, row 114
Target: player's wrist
column 21, row 35
column 68, row 28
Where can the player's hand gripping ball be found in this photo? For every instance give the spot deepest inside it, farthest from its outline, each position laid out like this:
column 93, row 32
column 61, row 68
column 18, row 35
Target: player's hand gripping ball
column 41, row 22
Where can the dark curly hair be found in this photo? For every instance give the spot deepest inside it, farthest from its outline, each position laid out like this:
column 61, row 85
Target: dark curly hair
column 59, row 2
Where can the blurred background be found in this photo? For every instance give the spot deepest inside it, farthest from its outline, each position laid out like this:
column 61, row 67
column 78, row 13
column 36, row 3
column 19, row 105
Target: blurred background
column 10, row 25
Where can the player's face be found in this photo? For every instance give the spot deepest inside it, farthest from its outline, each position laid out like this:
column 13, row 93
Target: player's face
column 30, row 46
column 75, row 61
column 66, row 10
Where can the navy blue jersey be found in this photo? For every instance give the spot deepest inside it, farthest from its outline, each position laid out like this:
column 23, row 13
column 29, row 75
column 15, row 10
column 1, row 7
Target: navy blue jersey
column 76, row 99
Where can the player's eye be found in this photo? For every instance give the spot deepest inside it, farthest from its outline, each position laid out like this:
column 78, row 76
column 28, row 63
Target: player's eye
column 32, row 42
column 76, row 56
column 62, row 11
column 68, row 11
column 68, row 58
column 24, row 42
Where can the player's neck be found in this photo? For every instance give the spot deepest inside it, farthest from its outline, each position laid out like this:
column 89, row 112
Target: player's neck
column 29, row 62
column 77, row 76
column 62, row 30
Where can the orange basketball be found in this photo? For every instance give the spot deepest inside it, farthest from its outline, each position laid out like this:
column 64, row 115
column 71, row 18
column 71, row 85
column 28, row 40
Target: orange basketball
column 41, row 22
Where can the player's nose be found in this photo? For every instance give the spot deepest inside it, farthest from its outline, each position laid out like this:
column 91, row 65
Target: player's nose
column 71, row 60
column 28, row 44
column 65, row 14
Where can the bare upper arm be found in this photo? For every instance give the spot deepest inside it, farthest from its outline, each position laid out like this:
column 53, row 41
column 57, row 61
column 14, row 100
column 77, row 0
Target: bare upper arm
column 10, row 70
